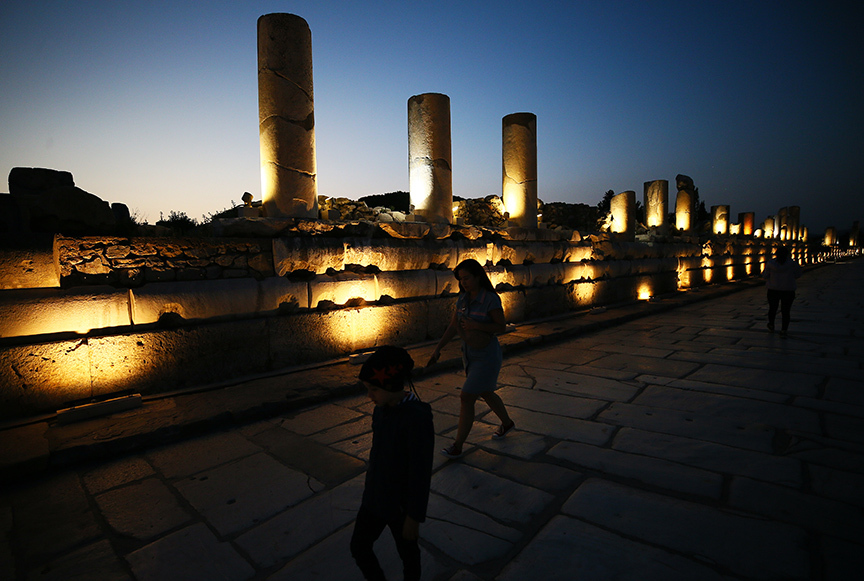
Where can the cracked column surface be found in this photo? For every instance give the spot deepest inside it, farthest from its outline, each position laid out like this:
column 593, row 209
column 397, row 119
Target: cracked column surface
column 623, row 209
column 289, row 185
column 519, row 168
column 656, row 202
column 429, row 172
column 684, row 211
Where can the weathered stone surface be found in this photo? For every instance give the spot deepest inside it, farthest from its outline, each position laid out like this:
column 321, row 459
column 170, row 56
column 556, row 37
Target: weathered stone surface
column 429, row 164
column 199, row 454
column 121, row 508
column 27, row 268
column 95, row 561
column 25, row 181
column 568, row 549
column 117, row 473
column 749, row 547
column 190, row 553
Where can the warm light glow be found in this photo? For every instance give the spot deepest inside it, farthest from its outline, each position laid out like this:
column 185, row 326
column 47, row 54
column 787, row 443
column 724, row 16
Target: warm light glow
column 644, row 292
column 734, row 228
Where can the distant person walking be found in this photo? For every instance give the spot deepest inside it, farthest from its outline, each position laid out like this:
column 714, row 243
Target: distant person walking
column 479, row 316
column 780, row 274
column 400, row 464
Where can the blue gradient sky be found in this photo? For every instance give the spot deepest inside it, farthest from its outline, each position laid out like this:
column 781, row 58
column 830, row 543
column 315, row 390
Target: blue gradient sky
column 154, row 104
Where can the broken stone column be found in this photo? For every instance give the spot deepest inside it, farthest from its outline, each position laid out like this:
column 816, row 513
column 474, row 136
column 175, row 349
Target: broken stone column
column 289, row 185
column 781, row 226
column 623, row 209
column 768, row 227
column 519, row 168
column 430, row 175
column 720, row 219
column 656, row 202
column 830, row 238
column 685, row 203
column 747, row 219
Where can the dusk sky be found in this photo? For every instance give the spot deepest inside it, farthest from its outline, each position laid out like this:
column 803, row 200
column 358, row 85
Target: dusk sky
column 154, row 104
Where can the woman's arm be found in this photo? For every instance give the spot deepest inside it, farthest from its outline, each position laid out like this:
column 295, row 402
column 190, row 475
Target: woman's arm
column 449, row 333
column 494, row 327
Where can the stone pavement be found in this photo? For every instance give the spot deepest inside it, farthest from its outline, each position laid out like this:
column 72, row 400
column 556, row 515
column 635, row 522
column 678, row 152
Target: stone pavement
column 651, row 443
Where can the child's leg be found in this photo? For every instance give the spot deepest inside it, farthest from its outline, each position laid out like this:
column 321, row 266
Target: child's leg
column 773, row 302
column 409, row 551
column 786, row 308
column 367, row 529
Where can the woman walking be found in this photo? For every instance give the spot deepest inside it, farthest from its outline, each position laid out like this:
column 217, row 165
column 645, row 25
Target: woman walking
column 479, row 316
column 780, row 274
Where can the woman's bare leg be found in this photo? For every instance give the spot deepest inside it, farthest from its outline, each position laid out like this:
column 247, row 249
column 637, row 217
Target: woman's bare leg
column 466, row 418
column 496, row 404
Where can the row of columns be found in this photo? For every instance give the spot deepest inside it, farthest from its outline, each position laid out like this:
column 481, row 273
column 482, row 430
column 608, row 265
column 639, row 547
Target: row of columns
column 287, row 137
column 289, row 170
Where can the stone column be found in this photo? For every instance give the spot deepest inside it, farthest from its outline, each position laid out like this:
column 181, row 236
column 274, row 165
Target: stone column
column 430, row 175
column 656, row 203
column 854, row 234
column 747, row 219
column 720, row 219
column 289, row 186
column 768, row 227
column 623, row 209
column 684, row 211
column 519, row 168
column 830, row 238
column 782, row 224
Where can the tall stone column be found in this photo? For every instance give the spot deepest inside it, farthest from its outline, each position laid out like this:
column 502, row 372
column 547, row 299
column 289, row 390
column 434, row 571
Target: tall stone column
column 720, row 219
column 430, row 176
column 747, row 219
column 830, row 238
column 289, row 185
column 782, row 225
column 519, row 168
column 623, row 209
column 768, row 227
column 656, row 202
column 684, row 211
column 854, row 234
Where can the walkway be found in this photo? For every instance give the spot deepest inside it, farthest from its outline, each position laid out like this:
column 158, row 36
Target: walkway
column 687, row 444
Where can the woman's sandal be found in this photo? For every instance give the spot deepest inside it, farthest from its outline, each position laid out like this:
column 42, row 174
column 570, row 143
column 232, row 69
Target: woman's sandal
column 502, row 431
column 451, row 452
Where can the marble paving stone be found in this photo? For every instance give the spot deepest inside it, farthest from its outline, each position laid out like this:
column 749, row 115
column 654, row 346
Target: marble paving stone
column 723, row 389
column 744, row 410
column 549, row 403
column 575, row 383
column 330, row 560
column 653, row 471
column 710, row 456
column 516, row 376
column 690, row 425
column 567, row 549
column 846, row 428
column 568, row 354
column 465, row 535
column 96, row 561
column 811, row 512
column 561, row 427
column 843, row 559
column 538, row 474
column 358, row 446
column 630, row 348
column 325, row 464
column 117, row 473
column 236, row 496
column 52, row 516
column 122, row 509
column 845, row 390
column 191, row 456
column 344, row 431
column 502, row 499
column 833, row 407
column 517, row 443
column 837, row 484
column 287, row 534
column 319, row 418
column 750, row 547
column 644, row 365
column 824, row 454
column 776, row 381
column 803, row 362
column 190, row 553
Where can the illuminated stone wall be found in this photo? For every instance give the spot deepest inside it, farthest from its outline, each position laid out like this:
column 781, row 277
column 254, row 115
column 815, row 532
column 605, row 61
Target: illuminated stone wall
column 95, row 329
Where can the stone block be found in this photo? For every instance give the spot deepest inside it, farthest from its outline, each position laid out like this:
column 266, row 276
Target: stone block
column 277, row 292
column 27, row 268
column 513, row 276
column 397, row 324
column 312, row 336
column 514, row 304
column 45, row 311
column 545, row 301
column 406, row 284
column 546, row 274
column 43, row 377
column 343, row 289
column 314, row 255
column 194, row 299
column 445, row 283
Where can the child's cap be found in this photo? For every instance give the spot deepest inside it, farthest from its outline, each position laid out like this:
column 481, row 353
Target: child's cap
column 388, row 368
